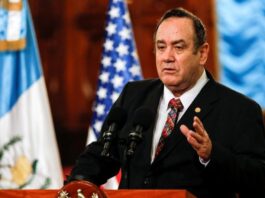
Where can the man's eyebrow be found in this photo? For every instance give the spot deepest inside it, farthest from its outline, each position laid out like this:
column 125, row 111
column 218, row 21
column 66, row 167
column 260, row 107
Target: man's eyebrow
column 160, row 41
column 180, row 41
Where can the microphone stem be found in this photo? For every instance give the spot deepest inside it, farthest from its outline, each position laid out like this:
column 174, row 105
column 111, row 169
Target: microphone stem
column 126, row 173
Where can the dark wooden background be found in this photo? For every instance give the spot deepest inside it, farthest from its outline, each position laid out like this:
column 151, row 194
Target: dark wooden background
column 70, row 34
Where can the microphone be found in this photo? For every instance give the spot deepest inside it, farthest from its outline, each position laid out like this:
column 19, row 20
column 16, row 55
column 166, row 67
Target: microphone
column 116, row 119
column 143, row 117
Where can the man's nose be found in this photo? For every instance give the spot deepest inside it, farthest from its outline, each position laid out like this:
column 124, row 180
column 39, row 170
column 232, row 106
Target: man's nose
column 169, row 55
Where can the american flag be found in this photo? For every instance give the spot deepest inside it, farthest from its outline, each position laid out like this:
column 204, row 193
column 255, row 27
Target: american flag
column 119, row 65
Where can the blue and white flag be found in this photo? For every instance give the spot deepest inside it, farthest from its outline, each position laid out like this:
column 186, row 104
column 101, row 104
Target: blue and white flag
column 119, row 65
column 29, row 157
column 241, row 30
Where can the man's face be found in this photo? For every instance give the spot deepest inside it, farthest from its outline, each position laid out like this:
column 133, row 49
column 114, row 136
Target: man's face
column 178, row 64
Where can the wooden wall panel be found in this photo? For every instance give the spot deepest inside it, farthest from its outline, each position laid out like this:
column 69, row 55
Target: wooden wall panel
column 70, row 36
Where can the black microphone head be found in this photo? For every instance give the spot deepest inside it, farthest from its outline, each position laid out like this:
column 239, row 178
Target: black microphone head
column 143, row 116
column 117, row 115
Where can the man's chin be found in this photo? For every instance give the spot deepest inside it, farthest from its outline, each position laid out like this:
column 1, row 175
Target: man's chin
column 171, row 83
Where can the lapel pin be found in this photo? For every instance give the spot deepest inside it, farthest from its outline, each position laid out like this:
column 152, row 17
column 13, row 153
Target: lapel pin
column 197, row 109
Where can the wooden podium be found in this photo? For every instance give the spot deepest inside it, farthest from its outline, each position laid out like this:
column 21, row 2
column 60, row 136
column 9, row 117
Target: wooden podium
column 109, row 193
column 81, row 189
column 85, row 189
column 149, row 193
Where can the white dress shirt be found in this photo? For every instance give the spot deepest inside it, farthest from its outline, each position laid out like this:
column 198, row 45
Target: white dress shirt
column 163, row 110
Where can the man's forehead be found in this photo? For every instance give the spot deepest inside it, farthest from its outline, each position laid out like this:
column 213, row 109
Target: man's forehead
column 175, row 29
column 175, row 22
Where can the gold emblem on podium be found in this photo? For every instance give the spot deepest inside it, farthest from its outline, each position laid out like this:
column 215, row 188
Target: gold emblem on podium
column 94, row 195
column 63, row 194
column 80, row 189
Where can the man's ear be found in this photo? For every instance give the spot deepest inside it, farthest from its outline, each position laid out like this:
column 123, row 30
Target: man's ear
column 204, row 51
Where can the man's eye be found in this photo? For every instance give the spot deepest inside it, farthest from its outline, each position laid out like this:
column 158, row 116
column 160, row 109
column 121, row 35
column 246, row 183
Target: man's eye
column 178, row 47
column 160, row 47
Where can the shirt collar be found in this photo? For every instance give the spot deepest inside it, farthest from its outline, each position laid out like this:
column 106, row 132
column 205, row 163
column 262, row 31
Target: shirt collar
column 187, row 97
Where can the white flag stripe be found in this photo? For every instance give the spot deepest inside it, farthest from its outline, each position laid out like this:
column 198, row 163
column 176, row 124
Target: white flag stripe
column 30, row 118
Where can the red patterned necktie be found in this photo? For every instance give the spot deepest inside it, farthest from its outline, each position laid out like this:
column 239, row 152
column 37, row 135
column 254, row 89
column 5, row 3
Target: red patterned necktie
column 175, row 106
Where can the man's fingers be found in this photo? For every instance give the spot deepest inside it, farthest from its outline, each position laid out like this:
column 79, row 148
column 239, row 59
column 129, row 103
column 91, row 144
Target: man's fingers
column 198, row 126
column 193, row 142
column 185, row 130
column 192, row 137
column 197, row 136
column 198, row 121
column 198, row 139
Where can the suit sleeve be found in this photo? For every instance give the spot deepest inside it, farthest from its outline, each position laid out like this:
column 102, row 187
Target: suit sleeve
column 241, row 166
column 93, row 167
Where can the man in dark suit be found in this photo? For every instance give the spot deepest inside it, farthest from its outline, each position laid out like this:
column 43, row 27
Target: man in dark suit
column 217, row 145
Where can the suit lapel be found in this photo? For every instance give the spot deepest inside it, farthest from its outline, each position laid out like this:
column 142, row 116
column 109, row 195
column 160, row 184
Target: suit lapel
column 200, row 107
column 152, row 102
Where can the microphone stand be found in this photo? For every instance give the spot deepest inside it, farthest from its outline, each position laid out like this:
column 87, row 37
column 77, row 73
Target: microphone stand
column 107, row 139
column 135, row 136
column 126, row 172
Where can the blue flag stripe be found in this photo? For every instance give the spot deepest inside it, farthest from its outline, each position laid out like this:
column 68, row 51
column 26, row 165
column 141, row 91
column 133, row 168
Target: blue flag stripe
column 19, row 69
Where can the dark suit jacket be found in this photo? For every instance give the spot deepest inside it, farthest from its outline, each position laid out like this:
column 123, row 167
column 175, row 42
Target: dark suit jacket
column 234, row 124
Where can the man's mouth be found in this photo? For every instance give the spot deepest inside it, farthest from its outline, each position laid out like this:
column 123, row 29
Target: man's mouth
column 169, row 70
